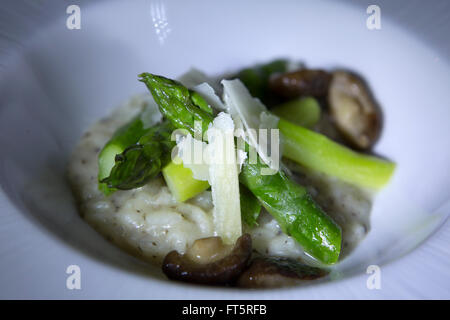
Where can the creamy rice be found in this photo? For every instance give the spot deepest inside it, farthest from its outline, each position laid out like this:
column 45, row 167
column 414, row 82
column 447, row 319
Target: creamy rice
column 148, row 222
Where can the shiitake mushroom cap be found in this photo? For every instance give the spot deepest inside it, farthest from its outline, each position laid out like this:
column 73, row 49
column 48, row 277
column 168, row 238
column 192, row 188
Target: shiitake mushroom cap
column 354, row 112
column 275, row 272
column 183, row 267
column 303, row 82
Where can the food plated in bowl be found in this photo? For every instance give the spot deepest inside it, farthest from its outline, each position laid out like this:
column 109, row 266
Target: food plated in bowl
column 62, row 81
column 184, row 177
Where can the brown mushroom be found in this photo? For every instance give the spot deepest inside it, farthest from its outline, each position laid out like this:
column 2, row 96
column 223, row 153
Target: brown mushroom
column 277, row 272
column 354, row 112
column 304, row 82
column 209, row 261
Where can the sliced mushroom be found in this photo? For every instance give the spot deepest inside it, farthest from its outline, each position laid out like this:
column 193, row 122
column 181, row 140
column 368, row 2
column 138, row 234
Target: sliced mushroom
column 354, row 112
column 304, row 82
column 209, row 261
column 277, row 272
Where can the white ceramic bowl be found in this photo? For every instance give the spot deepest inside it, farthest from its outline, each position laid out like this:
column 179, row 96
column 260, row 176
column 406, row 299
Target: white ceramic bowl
column 55, row 82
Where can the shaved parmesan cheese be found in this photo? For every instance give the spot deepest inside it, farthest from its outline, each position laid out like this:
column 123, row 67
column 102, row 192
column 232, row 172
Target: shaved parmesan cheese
column 241, row 157
column 240, row 103
column 207, row 93
column 250, row 115
column 193, row 154
column 223, row 178
column 192, row 78
column 269, row 139
column 268, row 120
column 195, row 77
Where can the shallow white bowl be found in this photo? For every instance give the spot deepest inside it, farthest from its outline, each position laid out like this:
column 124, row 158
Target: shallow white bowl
column 55, row 82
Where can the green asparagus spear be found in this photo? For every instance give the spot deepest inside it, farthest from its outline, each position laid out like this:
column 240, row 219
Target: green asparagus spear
column 256, row 79
column 142, row 161
column 179, row 104
column 319, row 153
column 125, row 136
column 181, row 182
column 302, row 111
column 295, row 211
column 250, row 206
column 290, row 204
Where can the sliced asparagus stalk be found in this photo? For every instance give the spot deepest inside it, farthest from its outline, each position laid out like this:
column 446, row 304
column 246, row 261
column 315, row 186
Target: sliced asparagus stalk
column 302, row 111
column 126, row 136
column 181, row 183
column 295, row 211
column 250, row 207
column 256, row 79
column 317, row 152
column 143, row 160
